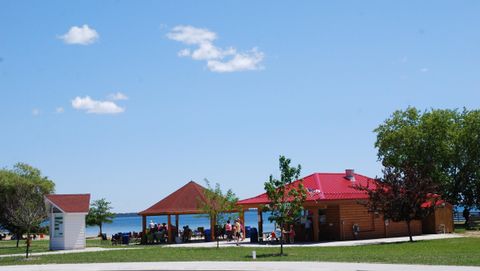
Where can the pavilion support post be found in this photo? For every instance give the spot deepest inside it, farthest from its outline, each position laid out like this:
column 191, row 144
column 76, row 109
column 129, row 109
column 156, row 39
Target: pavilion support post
column 144, row 224
column 316, row 228
column 260, row 224
column 176, row 225
column 169, row 229
column 242, row 219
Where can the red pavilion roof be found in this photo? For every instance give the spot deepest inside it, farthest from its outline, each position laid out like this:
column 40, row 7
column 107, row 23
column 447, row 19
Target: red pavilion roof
column 183, row 201
column 324, row 187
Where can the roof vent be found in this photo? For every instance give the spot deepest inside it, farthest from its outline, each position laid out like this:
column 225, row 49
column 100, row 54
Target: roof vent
column 350, row 174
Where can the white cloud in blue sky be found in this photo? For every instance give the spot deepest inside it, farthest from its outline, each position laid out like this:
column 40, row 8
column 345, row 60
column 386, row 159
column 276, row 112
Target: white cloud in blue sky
column 83, row 35
column 95, row 106
column 118, row 96
column 218, row 59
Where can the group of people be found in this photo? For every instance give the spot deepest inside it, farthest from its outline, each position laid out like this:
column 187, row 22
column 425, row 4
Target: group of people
column 159, row 232
column 235, row 231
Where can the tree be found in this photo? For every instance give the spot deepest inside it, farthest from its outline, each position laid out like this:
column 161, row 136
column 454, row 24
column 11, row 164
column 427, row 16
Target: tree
column 466, row 169
column 443, row 144
column 99, row 213
column 218, row 205
column 401, row 195
column 286, row 198
column 22, row 192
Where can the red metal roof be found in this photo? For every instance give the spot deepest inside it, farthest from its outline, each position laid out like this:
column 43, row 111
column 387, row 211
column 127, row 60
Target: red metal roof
column 70, row 203
column 324, row 187
column 183, row 201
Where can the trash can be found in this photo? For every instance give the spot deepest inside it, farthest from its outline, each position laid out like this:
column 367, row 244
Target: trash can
column 253, row 235
column 247, row 229
column 125, row 238
column 208, row 236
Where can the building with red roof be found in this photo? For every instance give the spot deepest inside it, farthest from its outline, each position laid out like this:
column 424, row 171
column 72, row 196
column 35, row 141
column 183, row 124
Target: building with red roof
column 188, row 199
column 334, row 208
column 67, row 214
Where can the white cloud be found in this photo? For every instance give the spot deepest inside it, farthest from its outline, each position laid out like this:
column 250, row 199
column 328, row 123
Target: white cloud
column 117, row 96
column 83, row 35
column 35, row 112
column 218, row 59
column 191, row 35
column 59, row 110
column 424, row 69
column 240, row 62
column 96, row 107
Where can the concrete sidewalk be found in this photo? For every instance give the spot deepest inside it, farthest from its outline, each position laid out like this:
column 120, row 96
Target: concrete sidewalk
column 246, row 242
column 237, row 266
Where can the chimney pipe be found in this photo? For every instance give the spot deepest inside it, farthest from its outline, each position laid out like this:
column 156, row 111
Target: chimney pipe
column 350, row 174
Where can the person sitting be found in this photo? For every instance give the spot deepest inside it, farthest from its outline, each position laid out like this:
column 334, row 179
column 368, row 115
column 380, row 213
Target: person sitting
column 187, row 234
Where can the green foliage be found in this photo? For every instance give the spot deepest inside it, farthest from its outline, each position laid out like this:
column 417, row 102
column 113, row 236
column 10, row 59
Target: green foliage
column 99, row 213
column 402, row 195
column 218, row 205
column 442, row 144
column 286, row 200
column 22, row 192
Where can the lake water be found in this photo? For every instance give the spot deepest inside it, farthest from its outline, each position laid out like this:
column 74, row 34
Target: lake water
column 134, row 223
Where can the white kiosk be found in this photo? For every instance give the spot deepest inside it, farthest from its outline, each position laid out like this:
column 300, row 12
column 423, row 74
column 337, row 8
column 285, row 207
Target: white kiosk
column 67, row 214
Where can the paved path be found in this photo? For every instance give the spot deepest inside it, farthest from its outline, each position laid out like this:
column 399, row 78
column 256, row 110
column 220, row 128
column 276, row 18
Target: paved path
column 88, row 249
column 247, row 243
column 237, row 266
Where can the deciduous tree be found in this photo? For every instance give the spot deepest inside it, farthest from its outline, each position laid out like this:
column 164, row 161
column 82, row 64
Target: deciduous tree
column 218, row 205
column 100, row 213
column 286, row 198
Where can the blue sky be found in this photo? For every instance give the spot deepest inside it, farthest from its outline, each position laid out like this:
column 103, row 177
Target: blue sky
column 219, row 89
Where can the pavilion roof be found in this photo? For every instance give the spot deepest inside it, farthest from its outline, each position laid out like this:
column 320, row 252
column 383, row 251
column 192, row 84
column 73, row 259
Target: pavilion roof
column 324, row 187
column 186, row 200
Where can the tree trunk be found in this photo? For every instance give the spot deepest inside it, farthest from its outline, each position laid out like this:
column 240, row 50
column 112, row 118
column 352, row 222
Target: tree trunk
column 17, row 235
column 466, row 215
column 281, row 241
column 409, row 230
column 100, row 226
column 28, row 244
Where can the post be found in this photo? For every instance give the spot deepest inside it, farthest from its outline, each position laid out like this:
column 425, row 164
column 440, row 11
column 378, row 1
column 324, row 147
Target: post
column 144, row 224
column 169, row 229
column 316, row 227
column 260, row 224
column 176, row 225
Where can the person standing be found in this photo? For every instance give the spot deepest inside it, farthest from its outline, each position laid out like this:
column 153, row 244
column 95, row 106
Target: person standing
column 238, row 231
column 291, row 234
column 228, row 230
column 308, row 229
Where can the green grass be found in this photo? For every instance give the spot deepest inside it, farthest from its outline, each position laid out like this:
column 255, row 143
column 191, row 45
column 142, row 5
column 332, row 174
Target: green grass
column 9, row 247
column 456, row 251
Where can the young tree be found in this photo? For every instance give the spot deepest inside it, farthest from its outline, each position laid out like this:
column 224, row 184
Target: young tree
column 401, row 195
column 22, row 192
column 99, row 213
column 218, row 205
column 286, row 199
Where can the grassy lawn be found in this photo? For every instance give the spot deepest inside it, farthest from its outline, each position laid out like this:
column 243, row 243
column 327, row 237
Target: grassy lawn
column 9, row 247
column 457, row 251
